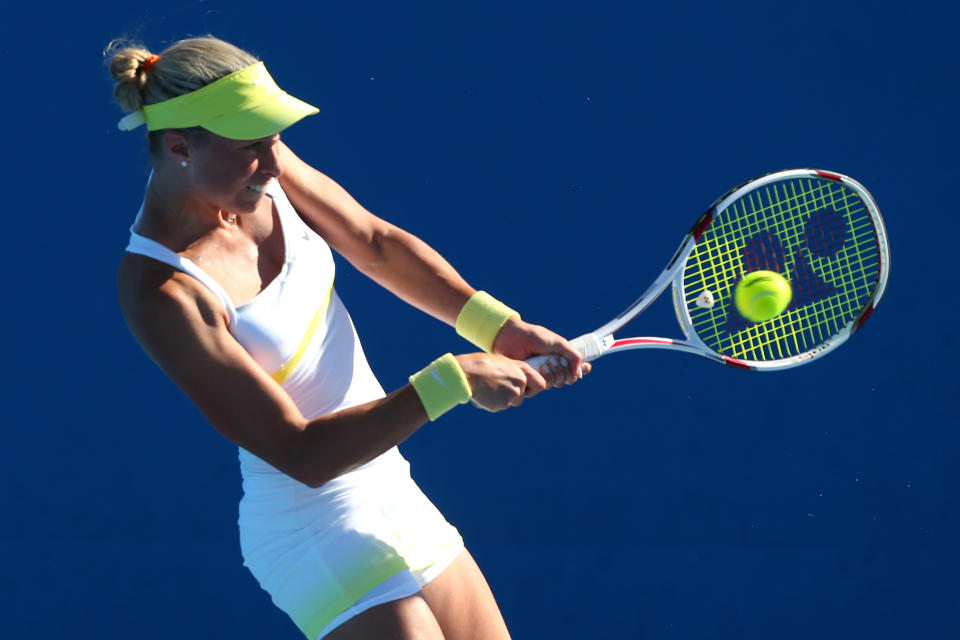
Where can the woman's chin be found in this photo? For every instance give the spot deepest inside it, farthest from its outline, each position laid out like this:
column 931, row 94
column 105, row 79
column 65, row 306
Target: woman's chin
column 247, row 202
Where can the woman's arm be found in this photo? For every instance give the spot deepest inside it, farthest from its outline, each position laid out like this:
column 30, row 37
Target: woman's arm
column 404, row 264
column 183, row 328
column 392, row 257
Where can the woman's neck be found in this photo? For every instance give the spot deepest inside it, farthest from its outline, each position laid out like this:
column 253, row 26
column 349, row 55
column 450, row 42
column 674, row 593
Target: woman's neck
column 174, row 216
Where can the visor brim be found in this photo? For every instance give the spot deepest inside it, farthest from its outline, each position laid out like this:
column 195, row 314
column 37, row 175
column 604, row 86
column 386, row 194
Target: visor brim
column 264, row 120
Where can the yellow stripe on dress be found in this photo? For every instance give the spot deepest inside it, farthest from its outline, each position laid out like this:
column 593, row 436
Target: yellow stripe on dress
column 284, row 372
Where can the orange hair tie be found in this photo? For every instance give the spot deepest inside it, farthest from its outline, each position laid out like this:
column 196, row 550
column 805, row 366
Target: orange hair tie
column 147, row 64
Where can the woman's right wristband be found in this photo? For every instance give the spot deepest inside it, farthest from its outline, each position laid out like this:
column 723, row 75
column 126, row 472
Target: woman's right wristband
column 441, row 385
column 481, row 319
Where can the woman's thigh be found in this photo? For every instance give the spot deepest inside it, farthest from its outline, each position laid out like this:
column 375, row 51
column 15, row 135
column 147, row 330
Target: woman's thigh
column 463, row 604
column 408, row 618
column 456, row 605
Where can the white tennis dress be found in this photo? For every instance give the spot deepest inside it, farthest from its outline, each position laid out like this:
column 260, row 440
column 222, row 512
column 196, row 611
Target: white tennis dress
column 364, row 538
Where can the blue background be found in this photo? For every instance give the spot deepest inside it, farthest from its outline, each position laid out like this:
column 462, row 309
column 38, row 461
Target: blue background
column 555, row 152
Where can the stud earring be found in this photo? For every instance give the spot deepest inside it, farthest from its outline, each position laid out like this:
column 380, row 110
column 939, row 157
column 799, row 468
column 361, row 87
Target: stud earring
column 184, row 163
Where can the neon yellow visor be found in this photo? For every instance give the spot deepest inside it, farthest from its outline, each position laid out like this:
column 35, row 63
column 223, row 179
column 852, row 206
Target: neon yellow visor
column 244, row 105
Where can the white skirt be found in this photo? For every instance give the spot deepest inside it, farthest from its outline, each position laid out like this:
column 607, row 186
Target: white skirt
column 326, row 555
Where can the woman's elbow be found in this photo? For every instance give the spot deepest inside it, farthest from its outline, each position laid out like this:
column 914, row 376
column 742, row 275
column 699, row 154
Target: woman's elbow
column 310, row 469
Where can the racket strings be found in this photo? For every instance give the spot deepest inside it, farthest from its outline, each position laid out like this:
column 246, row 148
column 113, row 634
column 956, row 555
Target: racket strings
column 799, row 332
column 809, row 288
column 818, row 234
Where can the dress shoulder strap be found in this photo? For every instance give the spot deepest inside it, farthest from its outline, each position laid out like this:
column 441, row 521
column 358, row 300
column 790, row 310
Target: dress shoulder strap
column 152, row 249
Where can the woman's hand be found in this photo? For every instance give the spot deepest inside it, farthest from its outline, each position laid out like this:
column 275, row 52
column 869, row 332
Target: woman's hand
column 498, row 382
column 521, row 340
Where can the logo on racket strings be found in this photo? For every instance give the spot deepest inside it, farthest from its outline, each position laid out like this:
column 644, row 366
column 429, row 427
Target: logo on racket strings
column 823, row 236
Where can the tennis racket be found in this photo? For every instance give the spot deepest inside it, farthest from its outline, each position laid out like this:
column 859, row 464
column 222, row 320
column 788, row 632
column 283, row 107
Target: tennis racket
column 820, row 230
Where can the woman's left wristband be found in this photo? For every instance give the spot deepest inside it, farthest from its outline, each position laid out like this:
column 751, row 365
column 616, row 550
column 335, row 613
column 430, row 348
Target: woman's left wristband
column 441, row 385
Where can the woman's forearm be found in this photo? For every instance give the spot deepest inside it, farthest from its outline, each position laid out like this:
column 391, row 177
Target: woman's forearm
column 409, row 268
column 340, row 442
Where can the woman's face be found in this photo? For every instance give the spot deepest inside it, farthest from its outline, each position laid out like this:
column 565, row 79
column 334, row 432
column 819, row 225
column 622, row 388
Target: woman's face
column 232, row 174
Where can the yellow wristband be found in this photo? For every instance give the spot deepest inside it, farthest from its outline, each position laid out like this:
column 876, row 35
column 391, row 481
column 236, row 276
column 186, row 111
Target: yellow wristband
column 481, row 319
column 442, row 385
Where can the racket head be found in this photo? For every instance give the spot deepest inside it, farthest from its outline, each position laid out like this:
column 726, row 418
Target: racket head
column 819, row 229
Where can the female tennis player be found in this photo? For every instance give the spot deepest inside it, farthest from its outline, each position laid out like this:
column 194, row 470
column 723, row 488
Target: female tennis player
column 227, row 284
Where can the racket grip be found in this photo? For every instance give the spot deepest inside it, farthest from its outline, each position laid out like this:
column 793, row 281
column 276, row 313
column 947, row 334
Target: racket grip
column 589, row 345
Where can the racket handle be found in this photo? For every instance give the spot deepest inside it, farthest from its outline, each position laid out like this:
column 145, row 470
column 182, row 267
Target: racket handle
column 589, row 345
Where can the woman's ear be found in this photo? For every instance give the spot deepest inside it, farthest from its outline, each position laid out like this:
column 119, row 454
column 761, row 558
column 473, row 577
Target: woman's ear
column 176, row 146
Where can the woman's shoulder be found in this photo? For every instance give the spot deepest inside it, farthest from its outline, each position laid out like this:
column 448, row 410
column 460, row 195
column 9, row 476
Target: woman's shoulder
column 138, row 276
column 151, row 293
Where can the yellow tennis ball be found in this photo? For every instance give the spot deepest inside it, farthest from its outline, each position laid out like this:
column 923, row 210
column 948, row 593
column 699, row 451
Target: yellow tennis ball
column 761, row 295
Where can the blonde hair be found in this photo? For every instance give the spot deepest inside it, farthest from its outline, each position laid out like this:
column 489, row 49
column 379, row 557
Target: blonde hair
column 183, row 67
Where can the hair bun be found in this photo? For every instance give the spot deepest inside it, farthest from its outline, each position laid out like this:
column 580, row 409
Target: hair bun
column 126, row 67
